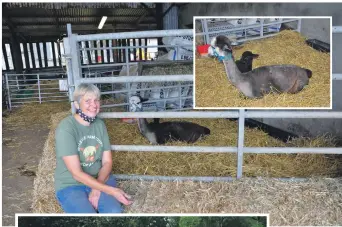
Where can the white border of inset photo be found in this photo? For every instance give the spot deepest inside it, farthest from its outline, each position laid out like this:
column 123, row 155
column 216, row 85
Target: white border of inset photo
column 146, row 215
column 259, row 108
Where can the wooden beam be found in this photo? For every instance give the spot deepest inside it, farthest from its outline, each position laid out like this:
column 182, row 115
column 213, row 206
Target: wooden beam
column 32, row 56
column 83, row 62
column 128, row 41
column 39, row 55
column 53, row 54
column 45, row 55
column 140, row 51
column 120, row 51
column 4, row 51
column 151, row 11
column 145, row 50
column 32, row 19
column 102, row 52
column 88, row 53
column 81, row 27
column 141, row 17
column 168, row 9
column 159, row 19
column 108, row 51
column 16, row 55
column 134, row 51
column 115, row 51
column 59, row 54
column 124, row 50
column 56, row 18
column 96, row 52
column 11, row 26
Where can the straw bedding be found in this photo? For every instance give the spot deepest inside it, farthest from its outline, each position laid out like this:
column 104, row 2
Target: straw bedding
column 223, row 133
column 290, row 203
column 32, row 114
column 213, row 89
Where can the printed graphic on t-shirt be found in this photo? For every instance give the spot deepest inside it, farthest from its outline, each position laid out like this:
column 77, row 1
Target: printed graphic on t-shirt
column 89, row 152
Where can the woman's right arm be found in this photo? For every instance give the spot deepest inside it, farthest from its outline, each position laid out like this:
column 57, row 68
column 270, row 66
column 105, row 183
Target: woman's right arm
column 72, row 162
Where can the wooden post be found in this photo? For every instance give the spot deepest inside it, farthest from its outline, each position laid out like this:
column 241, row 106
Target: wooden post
column 39, row 56
column 120, row 50
column 5, row 56
column 129, row 49
column 140, row 50
column 96, row 53
column 102, row 52
column 145, row 50
column 159, row 19
column 59, row 53
column 45, row 55
column 134, row 50
column 108, row 52
column 53, row 54
column 88, row 53
column 124, row 50
column 32, row 56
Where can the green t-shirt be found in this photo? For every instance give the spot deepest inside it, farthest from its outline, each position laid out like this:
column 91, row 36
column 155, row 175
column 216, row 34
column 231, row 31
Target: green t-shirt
column 88, row 142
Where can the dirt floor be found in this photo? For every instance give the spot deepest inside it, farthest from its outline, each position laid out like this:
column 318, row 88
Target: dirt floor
column 22, row 147
column 21, row 152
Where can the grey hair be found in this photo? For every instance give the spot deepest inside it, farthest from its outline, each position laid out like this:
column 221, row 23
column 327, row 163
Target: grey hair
column 83, row 89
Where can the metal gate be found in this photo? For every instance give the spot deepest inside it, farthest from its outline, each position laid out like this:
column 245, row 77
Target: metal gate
column 74, row 75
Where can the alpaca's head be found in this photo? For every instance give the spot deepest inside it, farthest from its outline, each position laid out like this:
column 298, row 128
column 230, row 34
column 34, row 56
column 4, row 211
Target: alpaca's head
column 248, row 56
column 135, row 103
column 222, row 44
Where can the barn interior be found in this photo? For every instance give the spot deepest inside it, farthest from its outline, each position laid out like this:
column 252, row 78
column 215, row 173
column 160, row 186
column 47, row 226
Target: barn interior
column 24, row 25
column 33, row 44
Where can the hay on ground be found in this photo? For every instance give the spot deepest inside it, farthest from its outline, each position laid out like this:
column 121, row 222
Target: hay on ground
column 33, row 114
column 213, row 89
column 223, row 133
column 289, row 203
column 311, row 203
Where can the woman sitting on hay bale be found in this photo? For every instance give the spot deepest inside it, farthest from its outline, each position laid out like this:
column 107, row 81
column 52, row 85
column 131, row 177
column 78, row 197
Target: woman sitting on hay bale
column 83, row 179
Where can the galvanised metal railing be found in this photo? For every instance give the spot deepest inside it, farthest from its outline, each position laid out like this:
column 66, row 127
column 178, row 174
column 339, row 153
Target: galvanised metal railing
column 241, row 114
column 73, row 50
column 34, row 88
column 225, row 29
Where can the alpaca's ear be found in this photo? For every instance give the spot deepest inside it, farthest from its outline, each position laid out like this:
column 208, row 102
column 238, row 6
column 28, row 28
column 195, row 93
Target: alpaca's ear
column 143, row 99
column 227, row 47
column 255, row 55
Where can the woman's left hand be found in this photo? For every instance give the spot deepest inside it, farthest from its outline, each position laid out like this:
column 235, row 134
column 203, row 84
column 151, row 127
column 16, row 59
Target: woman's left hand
column 94, row 197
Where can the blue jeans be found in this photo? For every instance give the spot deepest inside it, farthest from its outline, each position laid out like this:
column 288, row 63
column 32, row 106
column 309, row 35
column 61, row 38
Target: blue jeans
column 74, row 199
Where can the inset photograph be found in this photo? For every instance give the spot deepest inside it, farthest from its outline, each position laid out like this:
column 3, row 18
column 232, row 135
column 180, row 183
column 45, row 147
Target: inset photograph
column 262, row 62
column 173, row 220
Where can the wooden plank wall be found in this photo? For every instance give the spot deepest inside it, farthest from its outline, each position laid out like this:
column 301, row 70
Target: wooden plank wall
column 29, row 55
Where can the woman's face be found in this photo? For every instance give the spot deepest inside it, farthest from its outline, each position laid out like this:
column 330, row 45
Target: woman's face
column 90, row 105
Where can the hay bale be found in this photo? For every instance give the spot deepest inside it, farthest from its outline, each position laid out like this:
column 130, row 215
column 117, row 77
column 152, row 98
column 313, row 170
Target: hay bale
column 290, row 203
column 310, row 203
column 223, row 133
column 44, row 200
column 213, row 89
column 169, row 68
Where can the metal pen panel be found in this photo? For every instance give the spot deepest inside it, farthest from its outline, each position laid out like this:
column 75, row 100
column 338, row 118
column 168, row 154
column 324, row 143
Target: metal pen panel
column 136, row 79
column 241, row 136
column 139, row 34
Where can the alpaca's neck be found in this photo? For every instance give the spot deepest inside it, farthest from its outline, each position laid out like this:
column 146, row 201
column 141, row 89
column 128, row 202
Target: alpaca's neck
column 143, row 125
column 232, row 71
column 146, row 131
